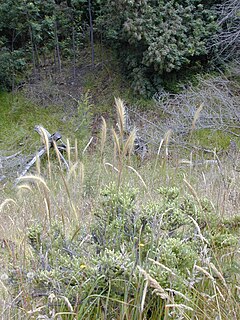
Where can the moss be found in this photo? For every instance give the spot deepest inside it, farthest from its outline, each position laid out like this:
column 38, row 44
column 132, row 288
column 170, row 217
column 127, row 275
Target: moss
column 217, row 139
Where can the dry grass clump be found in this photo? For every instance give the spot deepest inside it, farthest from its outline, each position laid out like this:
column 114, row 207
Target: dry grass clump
column 109, row 240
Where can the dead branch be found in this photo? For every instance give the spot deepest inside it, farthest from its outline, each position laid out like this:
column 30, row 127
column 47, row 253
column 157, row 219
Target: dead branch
column 31, row 163
column 227, row 40
column 51, row 140
column 10, row 157
column 220, row 99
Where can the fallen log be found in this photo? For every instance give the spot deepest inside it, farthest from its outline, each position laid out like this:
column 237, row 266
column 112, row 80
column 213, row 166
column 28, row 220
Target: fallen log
column 31, row 163
column 50, row 141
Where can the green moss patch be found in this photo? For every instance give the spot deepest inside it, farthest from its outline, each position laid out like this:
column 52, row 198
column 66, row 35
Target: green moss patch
column 18, row 118
column 212, row 139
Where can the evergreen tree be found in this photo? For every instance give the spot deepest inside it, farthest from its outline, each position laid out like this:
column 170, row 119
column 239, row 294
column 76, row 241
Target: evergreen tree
column 155, row 37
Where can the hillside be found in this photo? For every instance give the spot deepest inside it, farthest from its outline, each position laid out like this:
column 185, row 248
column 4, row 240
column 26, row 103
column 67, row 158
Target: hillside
column 119, row 160
column 120, row 235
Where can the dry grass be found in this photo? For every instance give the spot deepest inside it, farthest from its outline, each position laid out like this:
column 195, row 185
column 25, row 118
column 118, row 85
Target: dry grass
column 71, row 199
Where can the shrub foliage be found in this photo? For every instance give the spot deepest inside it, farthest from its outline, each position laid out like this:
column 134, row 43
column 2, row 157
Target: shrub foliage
column 164, row 246
column 155, row 37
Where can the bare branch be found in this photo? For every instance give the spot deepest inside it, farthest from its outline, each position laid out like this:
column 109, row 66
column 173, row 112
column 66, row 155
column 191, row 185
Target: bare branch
column 227, row 40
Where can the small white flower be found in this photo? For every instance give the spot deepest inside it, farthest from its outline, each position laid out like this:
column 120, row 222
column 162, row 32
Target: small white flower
column 30, row 275
column 4, row 277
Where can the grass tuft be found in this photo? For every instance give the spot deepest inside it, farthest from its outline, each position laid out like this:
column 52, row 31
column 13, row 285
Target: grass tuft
column 108, row 239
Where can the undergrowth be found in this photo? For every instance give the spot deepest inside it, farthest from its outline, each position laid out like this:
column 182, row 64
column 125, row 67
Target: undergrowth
column 19, row 118
column 107, row 241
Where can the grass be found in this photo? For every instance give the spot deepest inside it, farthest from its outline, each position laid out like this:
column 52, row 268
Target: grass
column 106, row 81
column 116, row 237
column 52, row 106
column 19, row 116
column 213, row 139
column 114, row 240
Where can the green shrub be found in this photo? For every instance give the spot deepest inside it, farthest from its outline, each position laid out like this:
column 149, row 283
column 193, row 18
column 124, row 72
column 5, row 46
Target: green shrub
column 155, row 37
column 104, row 268
column 11, row 65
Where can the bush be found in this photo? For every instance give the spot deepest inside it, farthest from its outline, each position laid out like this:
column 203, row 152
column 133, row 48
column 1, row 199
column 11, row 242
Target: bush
column 11, row 64
column 157, row 37
column 129, row 246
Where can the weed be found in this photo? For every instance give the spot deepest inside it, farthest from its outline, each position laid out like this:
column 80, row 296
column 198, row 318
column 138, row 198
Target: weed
column 105, row 241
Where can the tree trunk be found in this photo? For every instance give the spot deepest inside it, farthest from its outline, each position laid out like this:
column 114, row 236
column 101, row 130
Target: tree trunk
column 37, row 61
column 33, row 52
column 57, row 47
column 91, row 31
column 13, row 71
